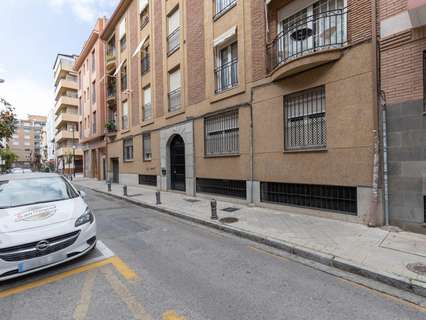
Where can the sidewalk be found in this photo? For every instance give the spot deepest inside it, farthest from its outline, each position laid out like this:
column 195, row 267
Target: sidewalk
column 370, row 252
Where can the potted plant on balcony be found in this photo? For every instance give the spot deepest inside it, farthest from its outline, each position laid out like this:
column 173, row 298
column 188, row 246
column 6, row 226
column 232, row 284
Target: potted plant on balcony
column 110, row 126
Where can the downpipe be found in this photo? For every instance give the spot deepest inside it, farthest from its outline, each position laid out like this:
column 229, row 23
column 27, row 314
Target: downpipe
column 385, row 157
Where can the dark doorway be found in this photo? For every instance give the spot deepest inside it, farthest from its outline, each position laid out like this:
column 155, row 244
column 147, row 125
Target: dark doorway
column 115, row 172
column 177, row 163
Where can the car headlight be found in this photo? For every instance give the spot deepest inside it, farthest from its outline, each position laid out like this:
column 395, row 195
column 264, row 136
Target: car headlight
column 87, row 217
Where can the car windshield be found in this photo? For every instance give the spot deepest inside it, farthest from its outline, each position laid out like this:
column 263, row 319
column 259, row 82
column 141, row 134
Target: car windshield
column 23, row 192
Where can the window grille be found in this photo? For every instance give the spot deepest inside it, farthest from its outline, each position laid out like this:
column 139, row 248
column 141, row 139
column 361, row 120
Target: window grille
column 128, row 149
column 221, row 6
column 222, row 134
column 145, row 62
column 226, row 72
column 335, row 198
column 123, row 77
column 147, row 155
column 149, row 180
column 230, row 188
column 305, row 119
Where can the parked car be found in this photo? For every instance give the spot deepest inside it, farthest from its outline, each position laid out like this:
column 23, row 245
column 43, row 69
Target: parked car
column 17, row 170
column 44, row 221
column 27, row 171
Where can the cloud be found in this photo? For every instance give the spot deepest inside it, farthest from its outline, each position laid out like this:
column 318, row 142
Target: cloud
column 27, row 96
column 85, row 10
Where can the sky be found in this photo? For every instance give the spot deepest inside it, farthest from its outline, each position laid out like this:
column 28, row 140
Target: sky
column 32, row 32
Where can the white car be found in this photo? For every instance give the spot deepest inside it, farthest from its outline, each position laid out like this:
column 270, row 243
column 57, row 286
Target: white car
column 44, row 221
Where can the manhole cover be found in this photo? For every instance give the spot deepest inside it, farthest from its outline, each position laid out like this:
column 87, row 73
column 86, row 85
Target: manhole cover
column 228, row 220
column 230, row 209
column 191, row 200
column 418, row 268
column 135, row 195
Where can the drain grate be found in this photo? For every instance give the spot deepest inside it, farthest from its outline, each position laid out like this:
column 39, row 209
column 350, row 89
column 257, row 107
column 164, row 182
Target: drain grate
column 230, row 209
column 192, row 200
column 135, row 195
column 228, row 220
column 418, row 268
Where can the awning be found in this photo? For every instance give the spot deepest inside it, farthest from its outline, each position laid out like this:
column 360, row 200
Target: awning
column 225, row 36
column 417, row 12
column 142, row 5
column 139, row 47
column 119, row 67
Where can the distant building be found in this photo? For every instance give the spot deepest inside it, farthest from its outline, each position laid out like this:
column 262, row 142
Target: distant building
column 26, row 142
column 69, row 156
column 50, row 135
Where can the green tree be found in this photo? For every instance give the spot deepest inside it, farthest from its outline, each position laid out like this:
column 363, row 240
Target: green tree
column 7, row 120
column 9, row 157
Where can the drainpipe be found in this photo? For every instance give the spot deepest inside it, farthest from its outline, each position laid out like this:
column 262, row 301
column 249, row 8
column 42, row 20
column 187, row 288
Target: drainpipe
column 251, row 146
column 385, row 158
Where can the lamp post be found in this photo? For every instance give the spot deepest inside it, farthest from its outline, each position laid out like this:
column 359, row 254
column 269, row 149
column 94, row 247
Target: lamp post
column 73, row 151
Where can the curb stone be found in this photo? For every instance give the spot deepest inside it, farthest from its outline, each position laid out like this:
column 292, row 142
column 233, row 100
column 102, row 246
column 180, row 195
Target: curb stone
column 405, row 284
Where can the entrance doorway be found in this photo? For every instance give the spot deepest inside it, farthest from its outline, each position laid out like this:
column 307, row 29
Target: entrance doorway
column 115, row 172
column 177, row 164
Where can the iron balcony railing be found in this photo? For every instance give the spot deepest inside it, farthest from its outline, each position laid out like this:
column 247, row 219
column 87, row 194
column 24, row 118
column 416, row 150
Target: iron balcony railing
column 226, row 76
column 147, row 111
column 321, row 31
column 145, row 64
column 144, row 20
column 174, row 100
column 222, row 6
column 173, row 41
column 111, row 92
column 111, row 54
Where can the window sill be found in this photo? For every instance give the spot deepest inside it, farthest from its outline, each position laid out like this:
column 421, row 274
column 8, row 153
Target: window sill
column 124, row 131
column 174, row 113
column 230, row 155
column 306, row 150
column 173, row 51
column 147, row 122
column 220, row 14
column 147, row 160
column 128, row 161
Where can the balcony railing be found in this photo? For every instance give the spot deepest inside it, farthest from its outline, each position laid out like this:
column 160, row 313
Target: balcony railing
column 147, row 112
column 111, row 54
column 174, row 100
column 173, row 41
column 111, row 92
column 144, row 20
column 145, row 64
column 322, row 31
column 223, row 6
column 227, row 76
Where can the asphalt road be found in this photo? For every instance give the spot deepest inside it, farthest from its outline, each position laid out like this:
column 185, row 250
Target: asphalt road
column 186, row 271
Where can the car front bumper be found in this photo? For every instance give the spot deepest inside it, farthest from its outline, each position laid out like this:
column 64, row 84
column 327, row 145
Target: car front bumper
column 85, row 242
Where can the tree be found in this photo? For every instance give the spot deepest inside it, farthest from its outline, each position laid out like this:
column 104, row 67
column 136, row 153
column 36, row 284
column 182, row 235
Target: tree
column 7, row 120
column 9, row 157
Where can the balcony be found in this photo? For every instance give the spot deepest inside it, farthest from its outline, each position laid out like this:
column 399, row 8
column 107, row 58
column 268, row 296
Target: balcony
column 310, row 42
column 147, row 112
column 174, row 100
column 65, row 118
column 173, row 41
column 63, row 102
column 62, row 151
column 66, row 135
column 226, row 76
column 111, row 59
column 145, row 64
column 65, row 85
column 111, row 94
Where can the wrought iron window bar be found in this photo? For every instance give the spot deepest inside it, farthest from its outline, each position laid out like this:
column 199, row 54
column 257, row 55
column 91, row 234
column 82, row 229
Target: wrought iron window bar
column 229, row 188
column 173, row 41
column 174, row 100
column 226, row 76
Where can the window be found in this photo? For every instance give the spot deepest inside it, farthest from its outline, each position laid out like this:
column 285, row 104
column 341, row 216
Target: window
column 145, row 63
column 147, row 107
column 222, row 134
column 173, row 26
column 229, row 188
column 79, row 80
column 93, row 92
column 125, row 116
column 221, row 6
column 143, row 13
column 123, row 77
column 424, row 81
column 122, row 34
column 15, row 143
column 319, row 26
column 128, row 149
column 174, row 90
column 305, row 119
column 94, row 123
column 227, row 67
column 147, row 156
column 27, row 142
column 93, row 61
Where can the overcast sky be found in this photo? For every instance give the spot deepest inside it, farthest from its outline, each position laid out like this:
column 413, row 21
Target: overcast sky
column 32, row 32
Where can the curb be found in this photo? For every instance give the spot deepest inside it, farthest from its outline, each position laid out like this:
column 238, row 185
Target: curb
column 325, row 259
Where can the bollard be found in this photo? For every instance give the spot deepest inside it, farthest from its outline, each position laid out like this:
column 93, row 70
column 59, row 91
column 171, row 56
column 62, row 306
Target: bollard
column 70, row 178
column 157, row 197
column 109, row 185
column 125, row 190
column 213, row 205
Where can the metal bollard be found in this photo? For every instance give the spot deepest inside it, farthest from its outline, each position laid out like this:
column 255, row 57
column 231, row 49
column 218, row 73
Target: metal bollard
column 71, row 178
column 157, row 197
column 125, row 190
column 109, row 185
column 213, row 205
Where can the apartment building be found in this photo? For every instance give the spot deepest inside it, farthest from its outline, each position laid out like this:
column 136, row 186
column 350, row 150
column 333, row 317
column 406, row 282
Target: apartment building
column 50, row 135
column 26, row 142
column 91, row 98
column 403, row 83
column 69, row 155
column 272, row 103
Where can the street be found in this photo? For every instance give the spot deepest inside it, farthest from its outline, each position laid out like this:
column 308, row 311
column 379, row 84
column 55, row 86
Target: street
column 170, row 269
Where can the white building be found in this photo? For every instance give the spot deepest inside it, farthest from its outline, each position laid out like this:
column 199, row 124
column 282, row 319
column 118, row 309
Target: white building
column 50, row 133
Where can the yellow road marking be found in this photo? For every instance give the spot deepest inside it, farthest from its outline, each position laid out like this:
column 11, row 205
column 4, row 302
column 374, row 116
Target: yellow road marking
column 82, row 308
column 126, row 272
column 123, row 292
column 172, row 315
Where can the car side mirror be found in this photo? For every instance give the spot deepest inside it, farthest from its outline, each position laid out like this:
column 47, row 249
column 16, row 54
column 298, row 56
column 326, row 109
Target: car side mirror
column 82, row 194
